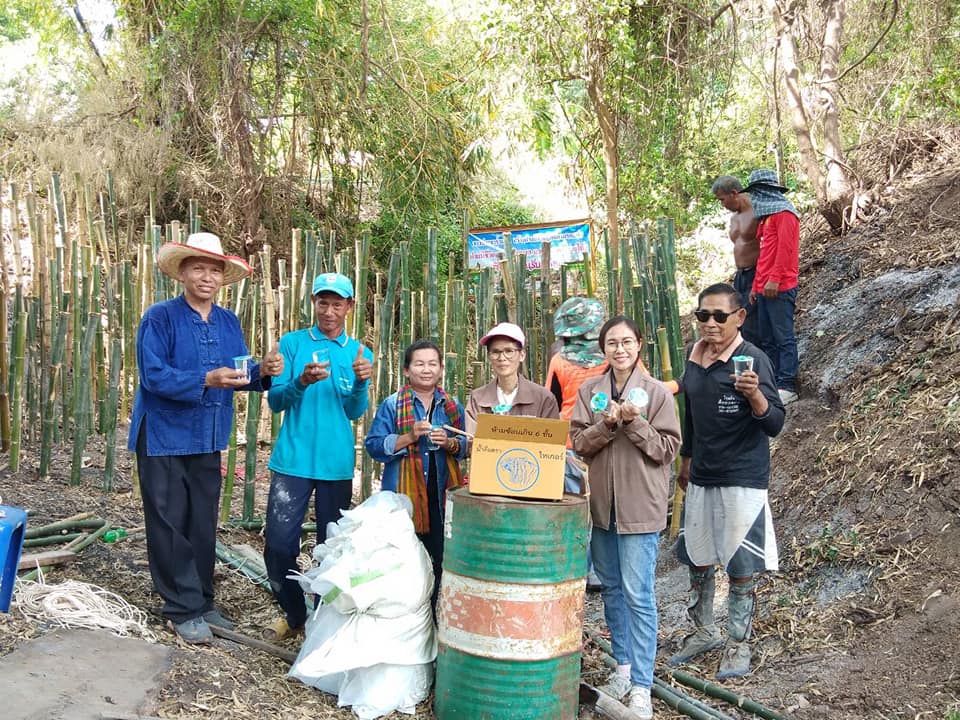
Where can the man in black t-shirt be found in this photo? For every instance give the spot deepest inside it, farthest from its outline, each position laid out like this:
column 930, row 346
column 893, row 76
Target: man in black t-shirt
column 725, row 469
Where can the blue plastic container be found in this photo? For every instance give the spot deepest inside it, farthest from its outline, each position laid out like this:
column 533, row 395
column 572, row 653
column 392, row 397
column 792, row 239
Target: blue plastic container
column 13, row 524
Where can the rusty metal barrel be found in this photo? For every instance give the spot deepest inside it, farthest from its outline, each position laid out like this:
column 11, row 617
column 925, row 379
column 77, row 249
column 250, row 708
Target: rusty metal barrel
column 510, row 613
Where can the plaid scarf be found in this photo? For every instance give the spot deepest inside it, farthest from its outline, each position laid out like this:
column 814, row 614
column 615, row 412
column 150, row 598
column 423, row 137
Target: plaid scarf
column 767, row 201
column 412, row 476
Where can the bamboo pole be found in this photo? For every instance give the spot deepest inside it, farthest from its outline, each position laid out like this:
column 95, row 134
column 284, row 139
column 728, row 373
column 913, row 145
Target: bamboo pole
column 253, row 418
column 432, row 290
column 4, row 302
column 110, row 422
column 49, row 421
column 360, row 290
column 82, row 381
column 226, row 497
column 16, row 430
column 296, row 287
column 729, row 696
column 546, row 307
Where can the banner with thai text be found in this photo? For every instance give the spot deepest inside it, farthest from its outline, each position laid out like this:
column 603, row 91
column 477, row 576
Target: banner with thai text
column 568, row 242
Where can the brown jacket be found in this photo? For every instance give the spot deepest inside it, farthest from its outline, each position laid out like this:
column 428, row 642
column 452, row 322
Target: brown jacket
column 629, row 464
column 532, row 400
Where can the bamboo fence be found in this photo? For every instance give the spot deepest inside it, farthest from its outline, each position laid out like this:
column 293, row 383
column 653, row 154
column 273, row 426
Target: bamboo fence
column 75, row 283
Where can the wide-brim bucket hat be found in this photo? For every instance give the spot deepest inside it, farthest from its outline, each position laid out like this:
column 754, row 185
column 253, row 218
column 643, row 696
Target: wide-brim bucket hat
column 205, row 245
column 764, row 178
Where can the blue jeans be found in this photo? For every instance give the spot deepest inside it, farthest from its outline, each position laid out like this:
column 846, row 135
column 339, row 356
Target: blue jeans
column 286, row 507
column 742, row 283
column 777, row 339
column 627, row 567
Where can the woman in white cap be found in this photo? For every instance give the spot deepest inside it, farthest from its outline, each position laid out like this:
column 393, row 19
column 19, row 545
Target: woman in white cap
column 182, row 417
column 509, row 393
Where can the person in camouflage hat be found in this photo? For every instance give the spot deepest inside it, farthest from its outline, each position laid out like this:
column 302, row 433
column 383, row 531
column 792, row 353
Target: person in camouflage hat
column 576, row 324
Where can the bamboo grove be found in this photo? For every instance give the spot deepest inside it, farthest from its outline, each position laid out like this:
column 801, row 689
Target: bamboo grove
column 75, row 284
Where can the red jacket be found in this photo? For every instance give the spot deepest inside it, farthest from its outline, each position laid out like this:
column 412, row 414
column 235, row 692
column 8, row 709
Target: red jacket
column 779, row 260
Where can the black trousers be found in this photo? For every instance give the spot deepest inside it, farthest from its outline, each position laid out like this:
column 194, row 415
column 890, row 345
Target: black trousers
column 286, row 507
column 433, row 540
column 181, row 499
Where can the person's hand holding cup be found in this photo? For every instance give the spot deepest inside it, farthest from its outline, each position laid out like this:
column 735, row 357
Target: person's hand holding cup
column 745, row 380
column 242, row 364
column 318, row 369
column 421, row 428
column 438, row 437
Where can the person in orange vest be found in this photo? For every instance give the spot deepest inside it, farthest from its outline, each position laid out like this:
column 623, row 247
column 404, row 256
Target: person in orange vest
column 576, row 324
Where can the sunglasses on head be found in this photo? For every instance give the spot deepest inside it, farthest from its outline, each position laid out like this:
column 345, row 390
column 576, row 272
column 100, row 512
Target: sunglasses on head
column 719, row 315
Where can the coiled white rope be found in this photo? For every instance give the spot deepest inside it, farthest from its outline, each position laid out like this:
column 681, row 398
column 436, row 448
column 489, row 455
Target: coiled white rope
column 77, row 604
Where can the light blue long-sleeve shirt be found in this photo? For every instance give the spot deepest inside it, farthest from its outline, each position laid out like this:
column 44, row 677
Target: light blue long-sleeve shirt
column 316, row 439
column 381, row 441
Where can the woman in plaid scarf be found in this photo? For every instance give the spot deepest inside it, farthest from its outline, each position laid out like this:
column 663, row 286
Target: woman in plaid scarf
column 420, row 459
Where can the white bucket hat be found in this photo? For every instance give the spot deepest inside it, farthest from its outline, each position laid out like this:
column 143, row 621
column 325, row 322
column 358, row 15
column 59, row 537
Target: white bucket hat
column 202, row 244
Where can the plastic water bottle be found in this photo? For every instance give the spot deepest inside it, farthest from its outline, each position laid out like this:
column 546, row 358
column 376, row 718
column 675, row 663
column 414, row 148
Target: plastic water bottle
column 111, row 536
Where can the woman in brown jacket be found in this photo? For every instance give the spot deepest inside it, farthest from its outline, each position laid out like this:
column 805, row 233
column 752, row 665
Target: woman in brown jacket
column 625, row 426
column 510, row 393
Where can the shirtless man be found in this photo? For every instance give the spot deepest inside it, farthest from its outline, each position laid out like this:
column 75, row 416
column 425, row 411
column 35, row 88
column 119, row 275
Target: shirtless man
column 746, row 247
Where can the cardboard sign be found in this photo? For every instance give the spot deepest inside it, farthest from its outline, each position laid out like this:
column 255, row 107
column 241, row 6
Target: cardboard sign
column 519, row 457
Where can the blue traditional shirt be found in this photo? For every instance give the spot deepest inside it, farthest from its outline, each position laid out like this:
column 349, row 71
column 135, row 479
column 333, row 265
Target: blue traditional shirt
column 316, row 439
column 381, row 440
column 176, row 348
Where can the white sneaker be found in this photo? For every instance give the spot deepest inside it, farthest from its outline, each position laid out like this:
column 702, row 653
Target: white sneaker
column 788, row 396
column 617, row 686
column 640, row 702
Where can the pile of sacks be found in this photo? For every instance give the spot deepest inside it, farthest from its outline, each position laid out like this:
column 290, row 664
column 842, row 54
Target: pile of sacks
column 371, row 641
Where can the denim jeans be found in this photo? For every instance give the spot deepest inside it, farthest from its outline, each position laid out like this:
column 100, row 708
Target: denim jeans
column 286, row 507
column 626, row 565
column 777, row 339
column 743, row 283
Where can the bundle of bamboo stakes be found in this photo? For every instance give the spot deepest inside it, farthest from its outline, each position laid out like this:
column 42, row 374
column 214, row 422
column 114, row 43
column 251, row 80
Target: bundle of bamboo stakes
column 75, row 285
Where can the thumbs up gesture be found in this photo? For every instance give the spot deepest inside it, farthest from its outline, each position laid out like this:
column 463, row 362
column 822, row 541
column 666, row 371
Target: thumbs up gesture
column 362, row 367
column 272, row 364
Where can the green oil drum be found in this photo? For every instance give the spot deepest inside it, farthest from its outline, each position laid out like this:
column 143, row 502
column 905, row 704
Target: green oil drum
column 510, row 614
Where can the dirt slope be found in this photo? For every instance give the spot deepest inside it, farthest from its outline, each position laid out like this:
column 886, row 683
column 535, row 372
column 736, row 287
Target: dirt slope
column 864, row 619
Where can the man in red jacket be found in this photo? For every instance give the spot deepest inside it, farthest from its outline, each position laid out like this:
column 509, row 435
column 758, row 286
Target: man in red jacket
column 775, row 283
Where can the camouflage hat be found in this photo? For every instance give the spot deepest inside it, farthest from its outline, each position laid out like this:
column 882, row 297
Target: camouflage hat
column 579, row 316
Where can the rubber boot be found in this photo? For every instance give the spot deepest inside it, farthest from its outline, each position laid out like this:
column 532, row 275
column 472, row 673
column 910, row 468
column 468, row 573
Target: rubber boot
column 736, row 653
column 706, row 636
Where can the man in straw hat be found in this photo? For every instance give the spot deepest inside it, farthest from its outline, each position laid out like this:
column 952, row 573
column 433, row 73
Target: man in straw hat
column 323, row 388
column 182, row 417
column 775, row 283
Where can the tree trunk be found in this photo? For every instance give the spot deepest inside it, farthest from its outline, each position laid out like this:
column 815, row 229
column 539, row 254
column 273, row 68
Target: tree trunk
column 611, row 161
column 249, row 191
column 828, row 205
column 798, row 113
column 838, row 191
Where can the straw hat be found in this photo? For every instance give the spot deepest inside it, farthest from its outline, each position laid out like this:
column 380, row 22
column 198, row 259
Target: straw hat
column 206, row 245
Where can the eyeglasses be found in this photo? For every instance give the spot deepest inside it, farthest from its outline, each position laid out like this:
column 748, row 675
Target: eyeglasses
column 506, row 354
column 719, row 315
column 626, row 344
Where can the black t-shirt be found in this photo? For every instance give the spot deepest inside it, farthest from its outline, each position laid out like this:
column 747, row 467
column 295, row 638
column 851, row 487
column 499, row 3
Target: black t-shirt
column 728, row 444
